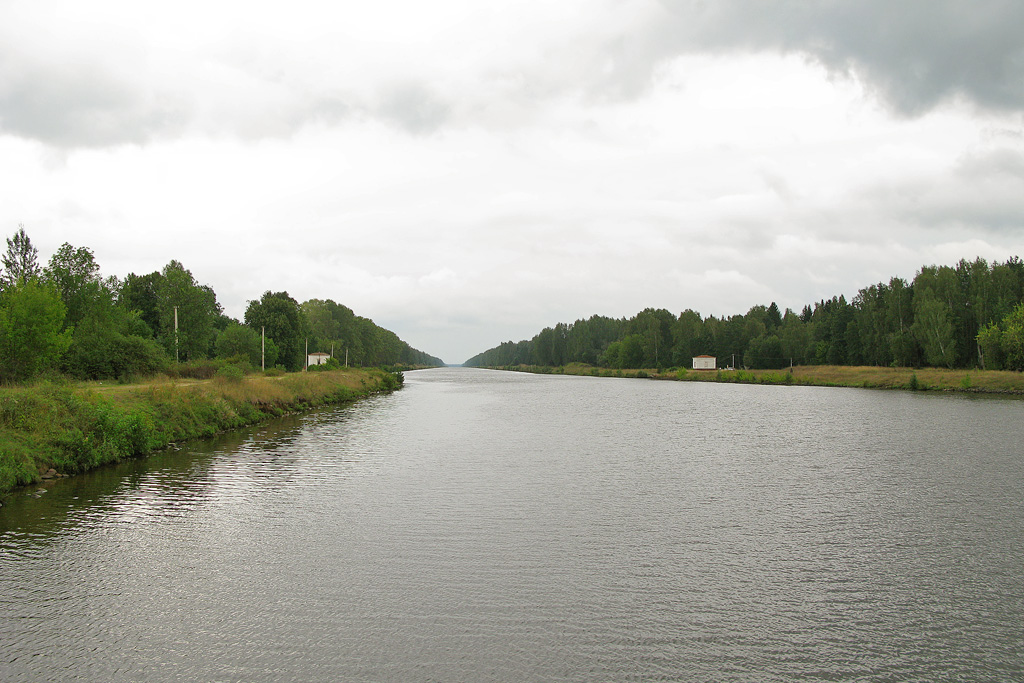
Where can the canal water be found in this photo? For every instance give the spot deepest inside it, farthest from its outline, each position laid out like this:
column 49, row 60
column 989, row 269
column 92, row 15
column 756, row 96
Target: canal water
column 488, row 526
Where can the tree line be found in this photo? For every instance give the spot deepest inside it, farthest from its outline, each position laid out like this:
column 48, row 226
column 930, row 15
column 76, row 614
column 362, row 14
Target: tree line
column 67, row 317
column 968, row 315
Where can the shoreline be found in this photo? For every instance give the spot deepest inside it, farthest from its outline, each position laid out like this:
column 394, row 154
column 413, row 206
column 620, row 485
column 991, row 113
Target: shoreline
column 990, row 382
column 54, row 430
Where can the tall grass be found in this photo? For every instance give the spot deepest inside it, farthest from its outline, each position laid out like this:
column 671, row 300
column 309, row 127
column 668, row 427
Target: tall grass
column 71, row 430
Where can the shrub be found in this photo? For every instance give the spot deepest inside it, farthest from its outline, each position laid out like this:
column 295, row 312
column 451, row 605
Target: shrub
column 393, row 380
column 195, row 369
column 31, row 338
column 230, row 373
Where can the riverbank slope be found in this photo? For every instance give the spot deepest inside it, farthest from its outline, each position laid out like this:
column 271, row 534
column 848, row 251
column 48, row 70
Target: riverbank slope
column 70, row 428
column 870, row 377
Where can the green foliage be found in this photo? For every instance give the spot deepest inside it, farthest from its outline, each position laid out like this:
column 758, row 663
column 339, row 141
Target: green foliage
column 139, row 293
column 331, row 364
column 1012, row 339
column 230, row 373
column 765, row 352
column 1001, row 345
column 393, row 380
column 945, row 317
column 75, row 275
column 51, row 426
column 333, row 328
column 112, row 329
column 31, row 330
column 775, row 378
column 195, row 306
column 109, row 340
column 612, row 355
column 99, row 352
column 990, row 341
column 278, row 314
column 632, row 353
column 241, row 341
column 773, row 317
column 934, row 329
column 19, row 263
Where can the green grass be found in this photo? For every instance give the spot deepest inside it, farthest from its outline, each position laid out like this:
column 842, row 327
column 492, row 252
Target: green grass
column 74, row 428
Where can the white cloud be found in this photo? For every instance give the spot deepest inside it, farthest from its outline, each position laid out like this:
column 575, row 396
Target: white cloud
column 467, row 173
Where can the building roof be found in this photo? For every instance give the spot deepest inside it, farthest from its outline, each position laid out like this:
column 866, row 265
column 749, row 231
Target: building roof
column 704, row 356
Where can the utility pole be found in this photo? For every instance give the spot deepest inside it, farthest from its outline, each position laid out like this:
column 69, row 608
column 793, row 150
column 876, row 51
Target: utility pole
column 346, row 356
column 305, row 362
column 263, row 348
column 176, row 334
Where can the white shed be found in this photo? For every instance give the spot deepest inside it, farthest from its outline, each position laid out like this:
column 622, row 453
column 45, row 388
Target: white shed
column 317, row 358
column 705, row 362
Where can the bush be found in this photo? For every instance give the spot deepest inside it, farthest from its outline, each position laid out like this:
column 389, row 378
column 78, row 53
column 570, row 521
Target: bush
column 393, row 380
column 31, row 335
column 230, row 373
column 330, row 364
column 195, row 369
column 239, row 341
column 100, row 353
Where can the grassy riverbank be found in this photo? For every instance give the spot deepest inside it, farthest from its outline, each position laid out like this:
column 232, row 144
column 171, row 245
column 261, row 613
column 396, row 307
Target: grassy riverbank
column 73, row 428
column 919, row 379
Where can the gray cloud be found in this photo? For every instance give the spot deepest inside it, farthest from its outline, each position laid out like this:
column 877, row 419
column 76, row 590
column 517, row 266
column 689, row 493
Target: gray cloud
column 979, row 196
column 82, row 106
column 413, row 108
column 914, row 54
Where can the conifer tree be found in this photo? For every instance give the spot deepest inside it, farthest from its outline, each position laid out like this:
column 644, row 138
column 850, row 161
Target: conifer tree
column 20, row 263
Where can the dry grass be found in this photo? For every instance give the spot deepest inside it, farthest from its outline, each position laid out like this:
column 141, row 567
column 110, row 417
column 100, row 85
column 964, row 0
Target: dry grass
column 941, row 379
column 922, row 379
column 254, row 389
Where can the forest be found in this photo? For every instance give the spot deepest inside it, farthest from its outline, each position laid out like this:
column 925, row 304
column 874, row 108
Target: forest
column 65, row 317
column 970, row 315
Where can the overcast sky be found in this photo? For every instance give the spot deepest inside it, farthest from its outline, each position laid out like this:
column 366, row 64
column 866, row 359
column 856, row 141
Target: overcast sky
column 467, row 172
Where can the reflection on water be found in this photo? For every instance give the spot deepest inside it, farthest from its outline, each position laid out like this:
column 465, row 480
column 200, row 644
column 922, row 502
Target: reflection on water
column 493, row 526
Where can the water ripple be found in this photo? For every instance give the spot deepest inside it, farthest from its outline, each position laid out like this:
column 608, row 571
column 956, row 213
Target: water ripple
column 481, row 526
